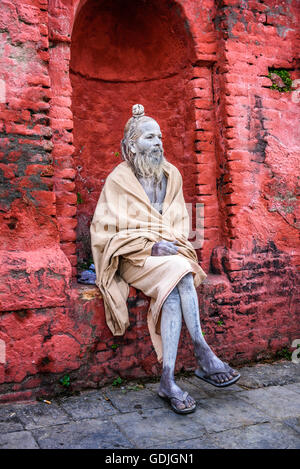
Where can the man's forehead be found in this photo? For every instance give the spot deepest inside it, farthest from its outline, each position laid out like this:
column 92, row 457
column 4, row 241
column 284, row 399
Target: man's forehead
column 149, row 126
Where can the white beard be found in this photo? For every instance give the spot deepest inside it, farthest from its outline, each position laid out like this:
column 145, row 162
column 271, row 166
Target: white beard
column 149, row 164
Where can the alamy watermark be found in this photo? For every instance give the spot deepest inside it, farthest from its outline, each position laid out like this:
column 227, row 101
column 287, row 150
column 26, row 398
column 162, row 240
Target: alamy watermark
column 2, row 351
column 295, row 357
column 179, row 219
column 296, row 92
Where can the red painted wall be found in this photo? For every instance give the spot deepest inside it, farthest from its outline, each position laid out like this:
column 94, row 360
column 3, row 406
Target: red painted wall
column 132, row 55
column 70, row 71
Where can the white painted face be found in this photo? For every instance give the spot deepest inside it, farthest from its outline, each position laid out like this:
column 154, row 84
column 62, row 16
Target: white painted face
column 150, row 139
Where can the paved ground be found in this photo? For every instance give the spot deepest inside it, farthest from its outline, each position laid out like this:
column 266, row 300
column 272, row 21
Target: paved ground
column 261, row 411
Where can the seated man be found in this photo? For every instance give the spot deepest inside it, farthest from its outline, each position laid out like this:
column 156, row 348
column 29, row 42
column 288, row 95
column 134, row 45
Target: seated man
column 139, row 236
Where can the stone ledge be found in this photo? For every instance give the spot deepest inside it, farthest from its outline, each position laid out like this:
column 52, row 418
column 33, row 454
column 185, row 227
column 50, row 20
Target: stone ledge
column 90, row 292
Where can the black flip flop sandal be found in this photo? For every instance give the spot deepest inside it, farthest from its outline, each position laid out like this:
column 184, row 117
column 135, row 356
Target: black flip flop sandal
column 202, row 375
column 187, row 410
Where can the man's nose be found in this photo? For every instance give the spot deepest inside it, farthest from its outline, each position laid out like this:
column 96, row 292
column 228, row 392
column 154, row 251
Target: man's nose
column 157, row 141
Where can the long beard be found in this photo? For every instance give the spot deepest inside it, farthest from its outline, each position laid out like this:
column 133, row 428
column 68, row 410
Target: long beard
column 148, row 164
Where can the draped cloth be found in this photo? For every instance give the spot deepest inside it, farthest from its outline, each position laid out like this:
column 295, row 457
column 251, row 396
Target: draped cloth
column 124, row 228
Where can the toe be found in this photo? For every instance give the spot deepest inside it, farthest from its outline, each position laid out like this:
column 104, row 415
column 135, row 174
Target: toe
column 187, row 404
column 231, row 371
column 217, row 378
column 190, row 402
column 178, row 404
column 232, row 375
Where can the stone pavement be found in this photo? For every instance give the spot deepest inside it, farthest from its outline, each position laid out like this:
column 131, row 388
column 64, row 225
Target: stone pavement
column 261, row 411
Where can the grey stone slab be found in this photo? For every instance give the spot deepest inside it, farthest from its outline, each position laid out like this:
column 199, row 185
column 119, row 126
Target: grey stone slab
column 294, row 387
column 223, row 413
column 87, row 405
column 276, row 401
column 294, row 423
column 9, row 421
column 126, row 400
column 83, row 434
column 40, row 415
column 18, row 440
column 272, row 435
column 271, row 374
column 194, row 443
column 159, row 427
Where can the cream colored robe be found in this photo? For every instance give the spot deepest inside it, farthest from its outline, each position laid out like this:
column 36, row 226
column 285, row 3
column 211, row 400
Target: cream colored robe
column 125, row 226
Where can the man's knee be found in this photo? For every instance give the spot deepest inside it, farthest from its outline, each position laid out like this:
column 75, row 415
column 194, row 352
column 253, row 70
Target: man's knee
column 173, row 296
column 187, row 282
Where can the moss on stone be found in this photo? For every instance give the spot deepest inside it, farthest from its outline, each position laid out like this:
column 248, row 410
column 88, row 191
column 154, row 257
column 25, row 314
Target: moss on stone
column 285, row 77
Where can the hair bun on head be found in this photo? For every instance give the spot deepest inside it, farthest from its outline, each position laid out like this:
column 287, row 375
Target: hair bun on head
column 138, row 110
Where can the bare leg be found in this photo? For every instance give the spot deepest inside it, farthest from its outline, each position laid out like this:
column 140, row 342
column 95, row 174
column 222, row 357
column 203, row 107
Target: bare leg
column 207, row 360
column 171, row 321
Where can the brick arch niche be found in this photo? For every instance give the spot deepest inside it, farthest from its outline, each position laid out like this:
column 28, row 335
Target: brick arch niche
column 110, row 56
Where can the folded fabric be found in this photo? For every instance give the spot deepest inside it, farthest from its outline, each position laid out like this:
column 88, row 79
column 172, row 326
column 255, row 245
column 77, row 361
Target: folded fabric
column 125, row 225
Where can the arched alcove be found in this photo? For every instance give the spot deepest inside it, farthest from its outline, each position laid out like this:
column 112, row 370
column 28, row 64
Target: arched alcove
column 126, row 52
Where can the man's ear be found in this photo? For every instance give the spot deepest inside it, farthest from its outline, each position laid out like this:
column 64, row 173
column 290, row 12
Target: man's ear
column 132, row 148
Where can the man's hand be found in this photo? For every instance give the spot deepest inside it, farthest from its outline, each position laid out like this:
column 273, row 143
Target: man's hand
column 164, row 248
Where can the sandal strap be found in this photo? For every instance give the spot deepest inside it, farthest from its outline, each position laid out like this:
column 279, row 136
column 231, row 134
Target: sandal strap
column 183, row 399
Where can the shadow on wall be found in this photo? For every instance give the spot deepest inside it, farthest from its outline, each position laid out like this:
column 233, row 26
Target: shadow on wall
column 124, row 52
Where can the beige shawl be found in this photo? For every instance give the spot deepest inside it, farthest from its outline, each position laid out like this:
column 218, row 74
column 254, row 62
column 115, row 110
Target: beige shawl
column 125, row 224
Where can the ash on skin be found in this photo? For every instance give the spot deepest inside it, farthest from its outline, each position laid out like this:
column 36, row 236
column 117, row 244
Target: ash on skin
column 146, row 158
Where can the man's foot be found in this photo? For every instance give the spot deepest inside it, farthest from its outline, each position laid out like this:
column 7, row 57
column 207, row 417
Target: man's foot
column 180, row 406
column 180, row 401
column 207, row 378
column 213, row 370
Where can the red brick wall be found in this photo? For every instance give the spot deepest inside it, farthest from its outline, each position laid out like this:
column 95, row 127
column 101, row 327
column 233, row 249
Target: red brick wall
column 259, row 143
column 65, row 95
